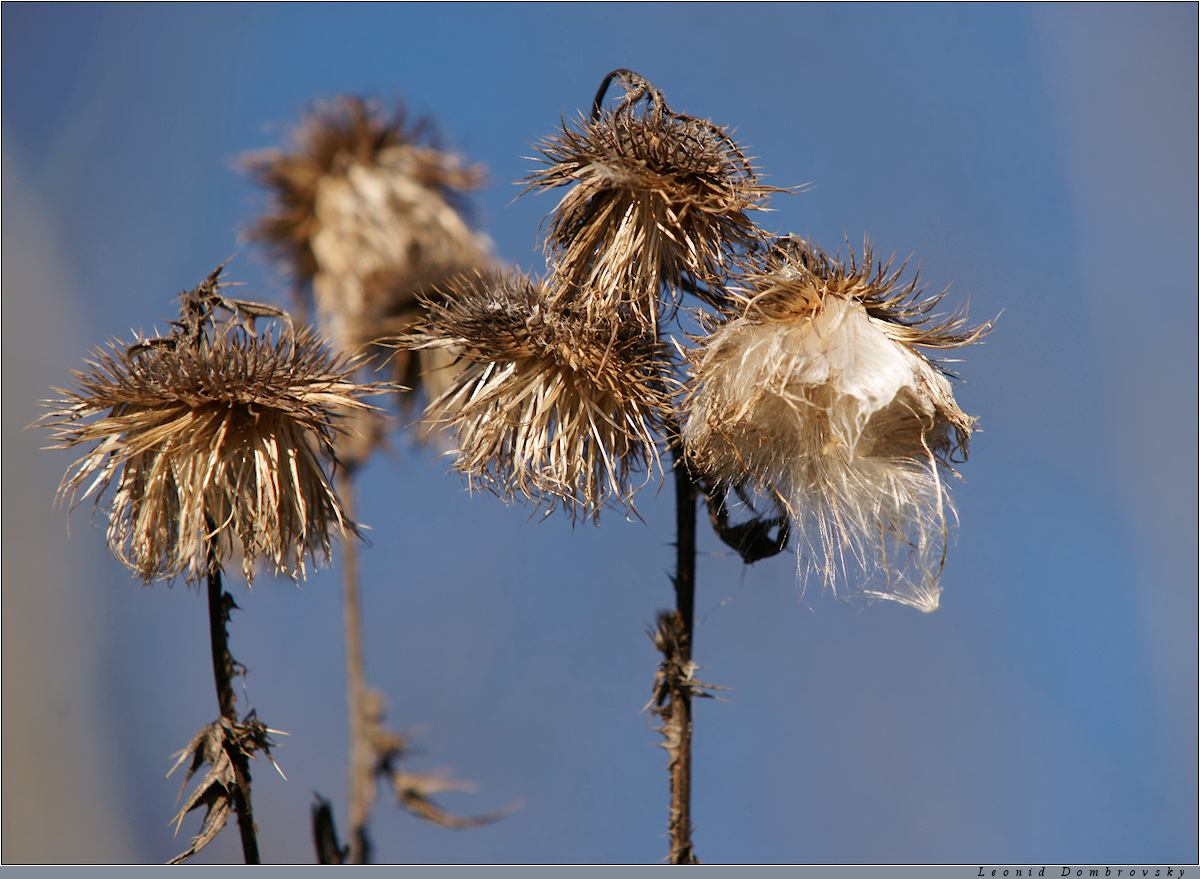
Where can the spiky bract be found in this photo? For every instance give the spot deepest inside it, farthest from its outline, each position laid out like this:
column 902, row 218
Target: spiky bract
column 812, row 390
column 655, row 196
column 212, row 447
column 547, row 404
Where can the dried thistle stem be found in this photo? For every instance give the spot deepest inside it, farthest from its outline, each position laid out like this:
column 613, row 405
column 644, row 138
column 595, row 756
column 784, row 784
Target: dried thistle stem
column 219, row 605
column 361, row 773
column 675, row 684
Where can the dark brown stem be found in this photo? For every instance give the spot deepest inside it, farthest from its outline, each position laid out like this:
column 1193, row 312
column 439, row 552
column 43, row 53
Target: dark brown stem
column 219, row 605
column 678, row 721
column 324, row 832
column 361, row 780
column 218, row 615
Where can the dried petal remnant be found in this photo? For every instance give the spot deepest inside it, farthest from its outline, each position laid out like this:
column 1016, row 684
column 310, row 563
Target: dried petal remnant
column 547, row 404
column 654, row 195
column 814, row 391
column 212, row 432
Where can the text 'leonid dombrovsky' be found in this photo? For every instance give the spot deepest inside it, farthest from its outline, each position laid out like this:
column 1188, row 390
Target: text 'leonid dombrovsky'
column 1086, row 871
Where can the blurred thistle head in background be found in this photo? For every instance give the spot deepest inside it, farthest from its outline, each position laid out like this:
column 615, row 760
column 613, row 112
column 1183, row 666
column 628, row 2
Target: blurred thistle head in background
column 211, row 438
column 657, row 199
column 547, row 404
column 366, row 211
column 811, row 389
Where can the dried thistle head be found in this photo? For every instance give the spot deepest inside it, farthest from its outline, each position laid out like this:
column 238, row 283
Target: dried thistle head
column 371, row 215
column 813, row 390
column 656, row 197
column 211, row 440
column 547, row 404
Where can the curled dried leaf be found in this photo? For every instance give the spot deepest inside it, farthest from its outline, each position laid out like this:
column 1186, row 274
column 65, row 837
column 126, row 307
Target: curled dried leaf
column 225, row 746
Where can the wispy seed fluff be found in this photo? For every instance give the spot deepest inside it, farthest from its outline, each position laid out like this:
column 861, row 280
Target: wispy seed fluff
column 546, row 404
column 814, row 391
column 210, row 439
column 654, row 196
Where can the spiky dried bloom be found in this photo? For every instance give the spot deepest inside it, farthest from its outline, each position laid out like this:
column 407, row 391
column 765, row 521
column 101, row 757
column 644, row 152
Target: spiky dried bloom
column 548, row 404
column 211, row 435
column 814, row 391
column 371, row 214
column 655, row 196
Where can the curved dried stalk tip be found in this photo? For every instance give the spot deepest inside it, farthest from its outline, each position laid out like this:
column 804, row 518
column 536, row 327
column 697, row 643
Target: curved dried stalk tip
column 210, row 423
column 656, row 198
column 549, row 403
column 812, row 391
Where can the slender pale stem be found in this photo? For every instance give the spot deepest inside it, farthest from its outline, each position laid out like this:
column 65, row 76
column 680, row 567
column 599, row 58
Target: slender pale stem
column 219, row 604
column 361, row 783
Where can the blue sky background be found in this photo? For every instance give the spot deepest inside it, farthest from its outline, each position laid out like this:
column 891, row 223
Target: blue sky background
column 1042, row 160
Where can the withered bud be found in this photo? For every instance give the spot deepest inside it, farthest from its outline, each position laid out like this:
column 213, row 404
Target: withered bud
column 330, row 139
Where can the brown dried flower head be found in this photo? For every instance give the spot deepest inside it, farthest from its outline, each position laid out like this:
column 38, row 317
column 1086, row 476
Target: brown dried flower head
column 814, row 391
column 211, row 439
column 656, row 197
column 547, row 404
column 372, row 215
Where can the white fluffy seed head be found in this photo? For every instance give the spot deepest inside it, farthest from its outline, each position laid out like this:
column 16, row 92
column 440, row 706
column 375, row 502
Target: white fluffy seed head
column 806, row 395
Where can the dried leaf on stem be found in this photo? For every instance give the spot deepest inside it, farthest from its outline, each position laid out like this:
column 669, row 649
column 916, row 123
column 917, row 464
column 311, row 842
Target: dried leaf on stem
column 223, row 745
column 414, row 790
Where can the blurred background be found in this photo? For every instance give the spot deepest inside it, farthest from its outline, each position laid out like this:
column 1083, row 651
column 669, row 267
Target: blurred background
column 1041, row 159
